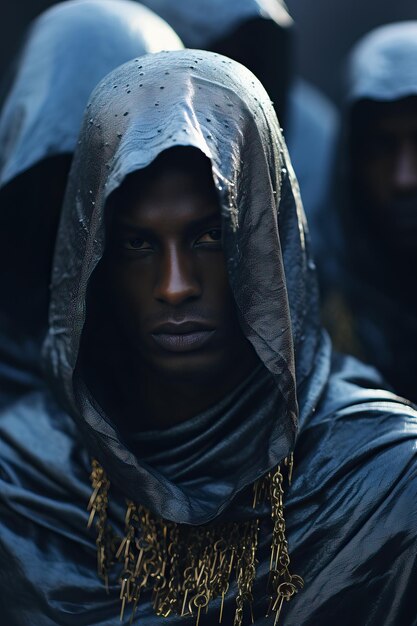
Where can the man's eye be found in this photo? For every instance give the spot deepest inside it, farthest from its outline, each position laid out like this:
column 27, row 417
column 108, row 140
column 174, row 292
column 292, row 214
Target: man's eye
column 137, row 243
column 211, row 236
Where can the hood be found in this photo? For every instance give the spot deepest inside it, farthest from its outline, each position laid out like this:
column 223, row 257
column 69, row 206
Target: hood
column 256, row 33
column 383, row 64
column 202, row 100
column 68, row 50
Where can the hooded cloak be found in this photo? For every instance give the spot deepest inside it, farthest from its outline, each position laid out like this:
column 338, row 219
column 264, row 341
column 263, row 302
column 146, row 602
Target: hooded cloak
column 351, row 511
column 382, row 322
column 68, row 50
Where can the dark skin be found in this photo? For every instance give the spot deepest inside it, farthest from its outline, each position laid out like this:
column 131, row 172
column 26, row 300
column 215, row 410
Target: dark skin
column 384, row 159
column 165, row 272
column 387, row 172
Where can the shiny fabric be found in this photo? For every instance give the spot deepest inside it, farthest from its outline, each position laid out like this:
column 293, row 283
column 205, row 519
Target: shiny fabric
column 255, row 33
column 68, row 49
column 382, row 68
column 351, row 512
column 383, row 65
column 192, row 109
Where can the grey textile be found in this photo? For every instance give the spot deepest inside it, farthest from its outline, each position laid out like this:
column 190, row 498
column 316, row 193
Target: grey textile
column 68, row 50
column 228, row 116
column 351, row 512
column 383, row 65
column 255, row 33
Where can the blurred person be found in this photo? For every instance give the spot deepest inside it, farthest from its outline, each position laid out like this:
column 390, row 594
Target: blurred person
column 379, row 220
column 188, row 364
column 260, row 35
column 67, row 51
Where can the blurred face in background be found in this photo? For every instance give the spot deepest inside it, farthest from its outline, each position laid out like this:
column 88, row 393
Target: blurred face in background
column 384, row 162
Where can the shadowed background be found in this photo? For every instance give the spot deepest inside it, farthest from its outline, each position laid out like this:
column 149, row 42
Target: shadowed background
column 326, row 30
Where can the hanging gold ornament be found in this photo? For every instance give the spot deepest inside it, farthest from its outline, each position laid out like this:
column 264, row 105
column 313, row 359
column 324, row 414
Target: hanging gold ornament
column 186, row 567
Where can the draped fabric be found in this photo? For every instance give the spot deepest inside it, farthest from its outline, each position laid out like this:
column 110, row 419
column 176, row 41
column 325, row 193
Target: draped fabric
column 351, row 511
column 68, row 49
column 200, row 100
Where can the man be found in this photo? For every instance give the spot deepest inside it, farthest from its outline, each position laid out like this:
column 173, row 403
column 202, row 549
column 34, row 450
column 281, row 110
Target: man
column 69, row 48
column 381, row 218
column 185, row 346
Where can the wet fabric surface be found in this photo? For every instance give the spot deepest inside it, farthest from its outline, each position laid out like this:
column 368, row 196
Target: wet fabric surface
column 351, row 517
column 351, row 511
column 256, row 33
column 67, row 51
column 203, row 101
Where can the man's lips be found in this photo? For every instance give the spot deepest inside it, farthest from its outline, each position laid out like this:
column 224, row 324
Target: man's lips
column 182, row 336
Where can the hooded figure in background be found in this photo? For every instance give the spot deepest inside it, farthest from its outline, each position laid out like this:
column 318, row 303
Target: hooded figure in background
column 380, row 217
column 68, row 50
column 259, row 34
column 181, row 191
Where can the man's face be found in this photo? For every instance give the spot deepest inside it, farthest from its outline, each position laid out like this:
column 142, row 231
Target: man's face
column 166, row 271
column 387, row 172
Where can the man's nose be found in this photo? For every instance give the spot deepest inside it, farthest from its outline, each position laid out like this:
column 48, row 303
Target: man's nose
column 177, row 280
column 405, row 169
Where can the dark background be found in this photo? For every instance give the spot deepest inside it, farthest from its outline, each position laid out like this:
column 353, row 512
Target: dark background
column 326, row 29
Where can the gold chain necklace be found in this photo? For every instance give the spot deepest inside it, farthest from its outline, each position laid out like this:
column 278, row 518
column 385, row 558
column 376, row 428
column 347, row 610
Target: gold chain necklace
column 185, row 567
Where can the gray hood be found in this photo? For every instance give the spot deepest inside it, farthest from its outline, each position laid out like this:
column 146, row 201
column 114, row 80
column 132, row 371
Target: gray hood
column 68, row 50
column 202, row 100
column 383, row 65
